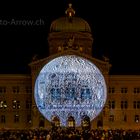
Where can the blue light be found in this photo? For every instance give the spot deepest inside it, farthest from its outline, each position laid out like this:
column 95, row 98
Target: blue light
column 70, row 86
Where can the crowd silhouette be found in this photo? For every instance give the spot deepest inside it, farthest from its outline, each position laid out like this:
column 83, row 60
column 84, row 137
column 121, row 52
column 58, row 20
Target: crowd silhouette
column 59, row 133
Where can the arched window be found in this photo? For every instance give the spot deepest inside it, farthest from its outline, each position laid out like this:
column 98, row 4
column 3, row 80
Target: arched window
column 71, row 122
column 56, row 121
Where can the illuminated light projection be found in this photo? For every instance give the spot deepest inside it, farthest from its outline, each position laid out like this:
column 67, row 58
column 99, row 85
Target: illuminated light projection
column 70, row 86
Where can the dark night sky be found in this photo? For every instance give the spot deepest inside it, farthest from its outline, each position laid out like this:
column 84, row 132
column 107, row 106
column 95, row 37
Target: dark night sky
column 115, row 28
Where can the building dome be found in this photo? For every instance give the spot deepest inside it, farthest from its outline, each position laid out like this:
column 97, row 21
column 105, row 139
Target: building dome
column 70, row 33
column 70, row 23
column 66, row 24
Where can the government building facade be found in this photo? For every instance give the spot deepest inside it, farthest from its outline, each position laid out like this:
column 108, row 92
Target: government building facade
column 69, row 35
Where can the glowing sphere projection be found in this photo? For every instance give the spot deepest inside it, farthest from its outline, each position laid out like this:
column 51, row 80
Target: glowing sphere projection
column 70, row 86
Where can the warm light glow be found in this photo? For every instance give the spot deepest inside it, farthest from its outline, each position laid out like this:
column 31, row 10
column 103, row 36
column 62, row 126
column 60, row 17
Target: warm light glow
column 70, row 14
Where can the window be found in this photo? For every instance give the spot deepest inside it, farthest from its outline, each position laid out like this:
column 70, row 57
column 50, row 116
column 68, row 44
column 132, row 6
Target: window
column 124, row 104
column 16, row 89
column 28, row 118
column 136, row 104
column 16, row 104
column 16, row 118
column 111, row 118
column 2, row 89
column 3, row 120
column 28, row 104
column 136, row 90
column 111, row 104
column 85, row 94
column 121, row 104
column 125, row 118
column 124, row 90
column 29, row 89
column 136, row 118
column 55, row 94
column 111, row 90
column 3, row 105
column 70, row 93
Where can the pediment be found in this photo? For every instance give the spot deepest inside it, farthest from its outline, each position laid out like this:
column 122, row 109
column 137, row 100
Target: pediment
column 37, row 65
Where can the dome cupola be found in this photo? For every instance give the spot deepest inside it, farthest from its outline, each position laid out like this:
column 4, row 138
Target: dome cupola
column 70, row 23
column 70, row 33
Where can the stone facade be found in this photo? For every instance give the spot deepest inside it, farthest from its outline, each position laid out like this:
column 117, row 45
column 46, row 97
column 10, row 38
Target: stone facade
column 17, row 105
column 18, row 109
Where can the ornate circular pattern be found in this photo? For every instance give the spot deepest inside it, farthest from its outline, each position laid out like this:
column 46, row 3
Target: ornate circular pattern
column 70, row 86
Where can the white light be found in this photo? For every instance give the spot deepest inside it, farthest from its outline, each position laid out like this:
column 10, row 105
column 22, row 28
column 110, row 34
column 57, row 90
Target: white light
column 5, row 105
column 70, row 86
